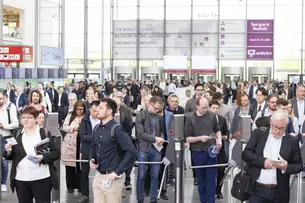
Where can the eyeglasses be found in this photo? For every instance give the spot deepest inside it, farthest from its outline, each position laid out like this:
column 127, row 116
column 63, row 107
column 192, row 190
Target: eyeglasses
column 278, row 128
column 157, row 109
column 199, row 90
column 27, row 117
column 81, row 109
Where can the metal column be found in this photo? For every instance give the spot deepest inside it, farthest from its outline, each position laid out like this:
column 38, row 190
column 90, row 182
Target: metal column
column 111, row 39
column 164, row 34
column 179, row 189
column 1, row 27
column 63, row 30
column 302, row 43
column 191, row 42
column 102, row 42
column 1, row 153
column 36, row 33
column 85, row 38
column 138, row 39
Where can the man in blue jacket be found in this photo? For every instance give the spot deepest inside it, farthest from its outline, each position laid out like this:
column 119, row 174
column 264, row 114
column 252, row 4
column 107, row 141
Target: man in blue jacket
column 85, row 132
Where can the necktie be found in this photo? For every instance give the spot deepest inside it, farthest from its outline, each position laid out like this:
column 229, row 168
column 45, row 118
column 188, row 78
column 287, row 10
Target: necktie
column 259, row 108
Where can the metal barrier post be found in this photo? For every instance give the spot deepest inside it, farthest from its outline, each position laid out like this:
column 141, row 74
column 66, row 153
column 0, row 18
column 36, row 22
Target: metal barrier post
column 52, row 125
column 179, row 190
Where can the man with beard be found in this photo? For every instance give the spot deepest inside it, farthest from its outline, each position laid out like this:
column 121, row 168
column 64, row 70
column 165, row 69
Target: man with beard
column 35, row 100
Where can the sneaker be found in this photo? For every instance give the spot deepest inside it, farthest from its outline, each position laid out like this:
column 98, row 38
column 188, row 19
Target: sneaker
column 128, row 186
column 3, row 188
column 170, row 182
column 84, row 199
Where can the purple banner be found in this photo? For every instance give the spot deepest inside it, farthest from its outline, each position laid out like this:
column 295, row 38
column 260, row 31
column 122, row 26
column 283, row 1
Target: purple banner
column 260, row 40
column 260, row 26
column 265, row 53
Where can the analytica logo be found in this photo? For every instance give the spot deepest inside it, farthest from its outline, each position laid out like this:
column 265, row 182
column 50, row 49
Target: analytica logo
column 251, row 52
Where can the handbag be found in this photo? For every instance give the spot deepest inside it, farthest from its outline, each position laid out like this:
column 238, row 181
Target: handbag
column 241, row 182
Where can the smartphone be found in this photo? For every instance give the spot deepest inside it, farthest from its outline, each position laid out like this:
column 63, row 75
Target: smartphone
column 277, row 162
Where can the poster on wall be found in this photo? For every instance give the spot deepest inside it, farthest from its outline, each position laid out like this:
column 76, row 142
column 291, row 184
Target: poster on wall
column 2, row 73
column 204, row 62
column 15, row 73
column 178, row 63
column 28, row 73
column 262, row 53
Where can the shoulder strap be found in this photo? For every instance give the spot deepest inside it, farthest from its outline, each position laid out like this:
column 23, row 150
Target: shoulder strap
column 143, row 115
column 113, row 129
column 8, row 110
column 44, row 133
column 18, row 133
column 94, row 129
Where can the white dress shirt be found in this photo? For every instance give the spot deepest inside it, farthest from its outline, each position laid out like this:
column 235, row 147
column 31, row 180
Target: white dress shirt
column 300, row 104
column 94, row 122
column 254, row 90
column 172, row 88
column 4, row 120
column 272, row 152
column 259, row 114
column 26, row 169
column 262, row 106
column 17, row 101
column 59, row 99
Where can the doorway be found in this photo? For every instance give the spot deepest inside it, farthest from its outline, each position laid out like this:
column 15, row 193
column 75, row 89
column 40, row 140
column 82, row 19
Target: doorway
column 205, row 77
column 123, row 76
column 261, row 78
column 175, row 76
column 228, row 78
column 150, row 76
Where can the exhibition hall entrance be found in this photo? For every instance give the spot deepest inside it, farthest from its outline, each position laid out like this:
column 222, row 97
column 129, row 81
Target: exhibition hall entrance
column 150, row 76
column 228, row 78
column 205, row 77
column 261, row 78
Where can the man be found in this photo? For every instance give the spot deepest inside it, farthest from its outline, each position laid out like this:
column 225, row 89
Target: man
column 5, row 127
column 172, row 88
column 149, row 133
column 82, row 89
column 209, row 95
column 191, row 103
column 72, row 100
column 273, row 156
column 46, row 102
column 126, row 122
column 22, row 99
column 86, row 127
column 173, row 108
column 259, row 104
column 10, row 92
column 221, row 157
column 271, row 102
column 271, row 88
column 240, row 111
column 134, row 92
column 252, row 91
column 223, row 110
column 62, row 105
column 111, row 154
column 200, row 128
column 27, row 89
column 288, row 90
column 282, row 104
column 299, row 105
column 53, row 96
column 35, row 100
column 67, row 89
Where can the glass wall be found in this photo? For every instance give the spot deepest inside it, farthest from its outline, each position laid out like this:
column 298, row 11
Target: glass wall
column 157, row 20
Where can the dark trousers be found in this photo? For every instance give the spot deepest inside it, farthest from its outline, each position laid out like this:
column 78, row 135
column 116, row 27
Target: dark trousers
column 206, row 177
column 263, row 195
column 40, row 190
column 220, row 175
column 127, row 173
column 192, row 162
column 73, row 177
column 85, row 176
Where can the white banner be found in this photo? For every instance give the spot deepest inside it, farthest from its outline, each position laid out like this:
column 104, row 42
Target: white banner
column 151, row 26
column 232, row 40
column 232, row 53
column 232, row 26
column 205, row 26
column 178, row 26
column 52, row 56
column 204, row 40
column 178, row 40
column 205, row 51
column 204, row 62
column 175, row 62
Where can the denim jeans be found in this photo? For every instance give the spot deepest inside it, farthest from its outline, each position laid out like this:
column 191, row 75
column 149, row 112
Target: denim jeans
column 206, row 177
column 4, row 165
column 153, row 156
column 263, row 195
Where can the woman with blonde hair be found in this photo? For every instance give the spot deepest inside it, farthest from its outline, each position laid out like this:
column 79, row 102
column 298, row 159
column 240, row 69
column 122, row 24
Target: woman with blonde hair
column 240, row 93
column 295, row 120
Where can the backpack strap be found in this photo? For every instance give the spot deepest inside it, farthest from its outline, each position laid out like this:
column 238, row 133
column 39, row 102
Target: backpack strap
column 8, row 110
column 113, row 129
column 18, row 133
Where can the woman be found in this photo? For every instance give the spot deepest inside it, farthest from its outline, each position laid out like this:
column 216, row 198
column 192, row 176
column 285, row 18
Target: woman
column 40, row 119
column 126, row 98
column 71, row 145
column 240, row 92
column 97, row 95
column 282, row 94
column 32, row 175
column 157, row 91
column 295, row 120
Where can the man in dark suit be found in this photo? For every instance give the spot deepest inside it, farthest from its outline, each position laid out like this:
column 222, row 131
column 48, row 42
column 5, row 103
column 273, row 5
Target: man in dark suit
column 259, row 104
column 288, row 90
column 53, row 95
column 221, row 158
column 252, row 91
column 22, row 99
column 299, row 105
column 62, row 105
column 272, row 156
column 242, row 110
column 10, row 92
column 27, row 89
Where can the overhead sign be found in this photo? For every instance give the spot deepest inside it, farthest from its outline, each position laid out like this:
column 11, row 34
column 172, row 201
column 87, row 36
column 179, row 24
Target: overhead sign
column 231, row 53
column 263, row 53
column 204, row 62
column 52, row 56
column 232, row 26
column 260, row 26
column 205, row 26
column 204, row 40
column 260, row 39
column 11, row 53
column 175, row 62
column 232, row 40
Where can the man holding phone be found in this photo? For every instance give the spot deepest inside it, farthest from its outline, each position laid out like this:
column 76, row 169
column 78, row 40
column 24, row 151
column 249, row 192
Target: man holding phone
column 273, row 155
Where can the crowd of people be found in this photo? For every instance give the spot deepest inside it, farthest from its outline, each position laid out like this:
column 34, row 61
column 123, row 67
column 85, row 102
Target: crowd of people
column 90, row 132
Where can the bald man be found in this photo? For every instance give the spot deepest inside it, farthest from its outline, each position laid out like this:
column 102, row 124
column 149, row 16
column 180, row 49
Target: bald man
column 203, row 133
